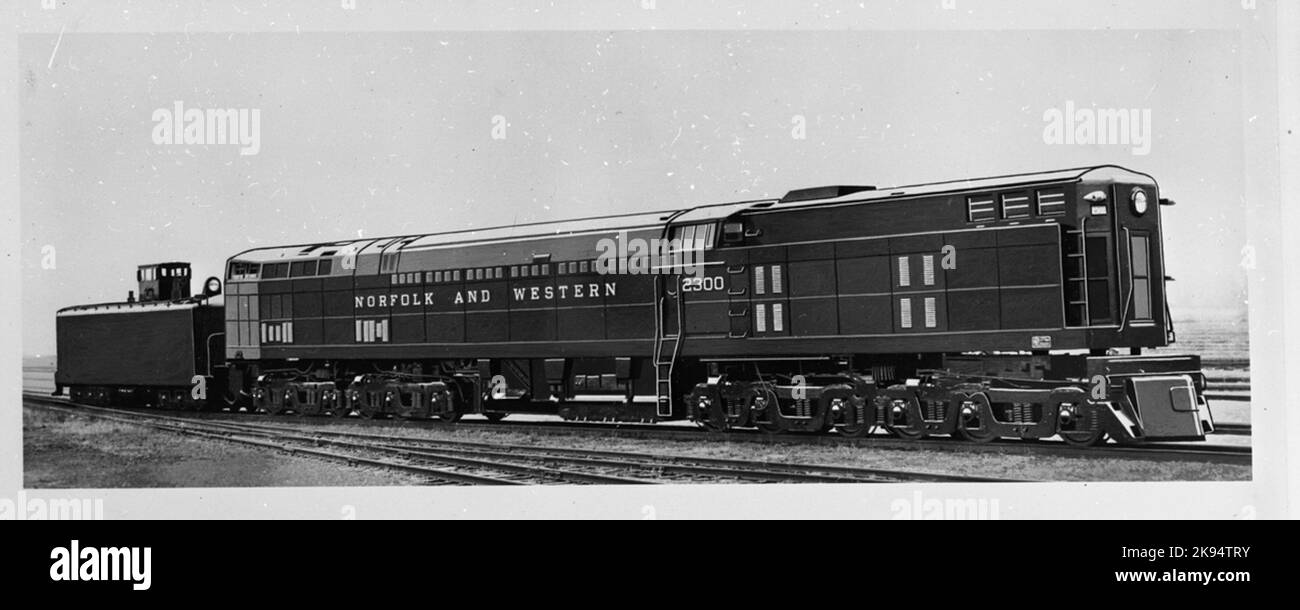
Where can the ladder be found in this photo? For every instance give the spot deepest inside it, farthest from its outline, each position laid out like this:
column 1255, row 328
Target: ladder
column 668, row 346
column 1076, row 268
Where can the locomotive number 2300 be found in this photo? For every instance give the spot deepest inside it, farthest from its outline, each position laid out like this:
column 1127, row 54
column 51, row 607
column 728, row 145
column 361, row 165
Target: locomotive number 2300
column 703, row 284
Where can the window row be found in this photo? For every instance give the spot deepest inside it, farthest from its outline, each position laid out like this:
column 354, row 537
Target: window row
column 1013, row 206
column 494, row 273
column 324, row 266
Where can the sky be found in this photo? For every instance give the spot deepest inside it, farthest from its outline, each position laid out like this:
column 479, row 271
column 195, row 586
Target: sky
column 370, row 134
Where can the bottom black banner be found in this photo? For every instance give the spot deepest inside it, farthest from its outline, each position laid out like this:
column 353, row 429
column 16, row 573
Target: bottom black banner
column 178, row 558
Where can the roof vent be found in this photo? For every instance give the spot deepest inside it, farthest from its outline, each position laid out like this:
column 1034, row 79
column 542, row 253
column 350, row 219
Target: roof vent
column 823, row 192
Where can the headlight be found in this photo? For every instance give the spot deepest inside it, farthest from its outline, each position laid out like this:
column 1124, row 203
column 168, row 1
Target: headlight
column 1139, row 202
column 212, row 287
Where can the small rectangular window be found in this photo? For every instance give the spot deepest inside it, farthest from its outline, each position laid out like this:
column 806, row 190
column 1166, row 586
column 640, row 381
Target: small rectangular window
column 523, row 271
column 1140, row 264
column 778, row 316
column 455, row 275
column 326, row 266
column 776, row 283
column 1015, row 205
column 1051, row 203
column 931, row 312
column 583, row 267
column 760, row 317
column 979, row 209
column 546, row 268
column 904, row 272
column 533, row 270
column 760, row 280
column 905, row 312
column 927, row 269
column 499, row 273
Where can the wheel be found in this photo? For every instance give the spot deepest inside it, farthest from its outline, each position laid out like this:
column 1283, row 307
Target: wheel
column 274, row 408
column 1084, row 439
column 495, row 417
column 977, row 435
column 451, row 417
column 768, row 402
column 856, row 430
column 906, row 433
column 712, row 426
column 340, row 411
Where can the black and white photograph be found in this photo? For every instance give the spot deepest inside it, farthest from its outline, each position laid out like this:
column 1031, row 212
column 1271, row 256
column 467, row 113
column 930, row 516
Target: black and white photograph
column 649, row 259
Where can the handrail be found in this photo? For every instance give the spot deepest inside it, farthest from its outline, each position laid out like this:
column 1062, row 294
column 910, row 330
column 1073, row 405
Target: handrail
column 210, row 350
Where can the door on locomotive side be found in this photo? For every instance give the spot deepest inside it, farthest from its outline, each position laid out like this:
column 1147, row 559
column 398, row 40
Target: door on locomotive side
column 1137, row 220
column 700, row 281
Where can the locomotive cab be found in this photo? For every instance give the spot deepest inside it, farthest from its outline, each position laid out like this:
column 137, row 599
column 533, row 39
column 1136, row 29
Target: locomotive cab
column 164, row 282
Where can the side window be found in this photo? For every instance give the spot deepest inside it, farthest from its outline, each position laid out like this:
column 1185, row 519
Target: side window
column 704, row 234
column 1015, row 205
column 979, row 208
column 1140, row 252
column 1051, row 203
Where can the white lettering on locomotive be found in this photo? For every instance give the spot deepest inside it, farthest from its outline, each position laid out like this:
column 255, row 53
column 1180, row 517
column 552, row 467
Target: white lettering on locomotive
column 408, row 299
column 472, row 296
column 579, row 291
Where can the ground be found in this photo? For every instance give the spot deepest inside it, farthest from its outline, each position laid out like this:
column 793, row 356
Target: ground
column 62, row 451
column 66, row 451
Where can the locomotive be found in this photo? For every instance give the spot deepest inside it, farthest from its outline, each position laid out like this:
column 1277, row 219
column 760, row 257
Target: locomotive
column 1012, row 306
column 164, row 349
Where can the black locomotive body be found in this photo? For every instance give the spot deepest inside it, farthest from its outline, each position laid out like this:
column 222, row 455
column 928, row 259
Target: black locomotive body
column 1011, row 306
column 165, row 349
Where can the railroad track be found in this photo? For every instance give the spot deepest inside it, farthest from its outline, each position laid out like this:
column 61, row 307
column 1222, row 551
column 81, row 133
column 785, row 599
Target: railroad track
column 1155, row 452
column 460, row 462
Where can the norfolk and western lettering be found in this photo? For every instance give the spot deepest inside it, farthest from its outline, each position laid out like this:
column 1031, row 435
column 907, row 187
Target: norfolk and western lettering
column 562, row 292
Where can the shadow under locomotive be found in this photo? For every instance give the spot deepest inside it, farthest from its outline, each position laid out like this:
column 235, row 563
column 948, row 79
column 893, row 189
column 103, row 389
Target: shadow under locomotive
column 1015, row 306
